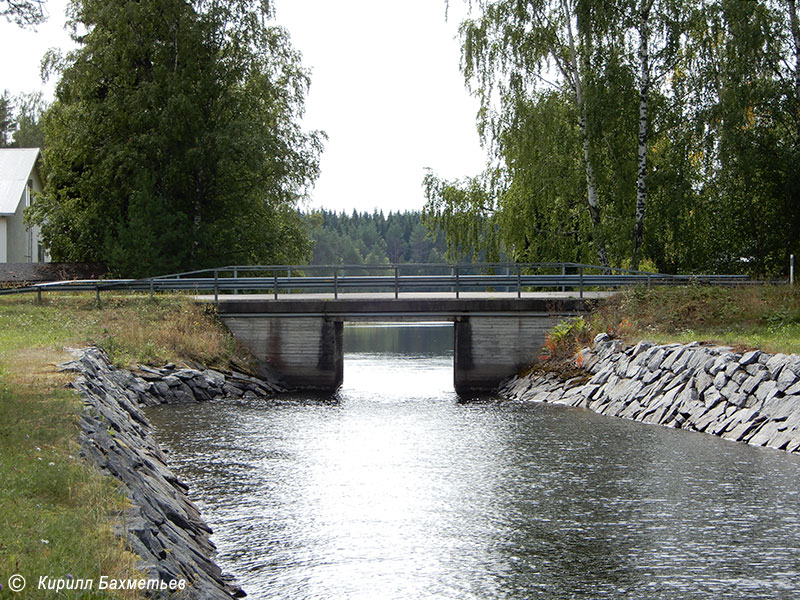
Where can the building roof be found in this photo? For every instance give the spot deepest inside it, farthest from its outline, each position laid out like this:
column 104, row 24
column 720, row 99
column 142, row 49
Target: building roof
column 16, row 165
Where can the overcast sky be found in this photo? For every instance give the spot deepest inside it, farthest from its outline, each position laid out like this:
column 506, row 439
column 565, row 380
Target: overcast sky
column 385, row 87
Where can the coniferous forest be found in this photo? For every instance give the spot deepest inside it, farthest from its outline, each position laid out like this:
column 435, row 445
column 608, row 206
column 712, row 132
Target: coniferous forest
column 373, row 239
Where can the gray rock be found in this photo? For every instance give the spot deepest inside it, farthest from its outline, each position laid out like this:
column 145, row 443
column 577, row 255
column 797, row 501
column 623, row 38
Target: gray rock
column 719, row 365
column 199, row 381
column 703, row 381
column 750, row 384
column 775, row 364
column 729, row 390
column 711, row 397
column 720, row 380
column 655, row 360
column 172, row 381
column 756, row 368
column 749, row 358
column 710, row 416
column 786, row 379
column 766, row 389
column 672, row 357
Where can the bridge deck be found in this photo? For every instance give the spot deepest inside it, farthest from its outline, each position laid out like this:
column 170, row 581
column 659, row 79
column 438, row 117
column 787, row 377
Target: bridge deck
column 386, row 306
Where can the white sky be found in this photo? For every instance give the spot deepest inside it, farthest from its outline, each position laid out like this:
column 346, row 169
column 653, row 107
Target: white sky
column 385, row 87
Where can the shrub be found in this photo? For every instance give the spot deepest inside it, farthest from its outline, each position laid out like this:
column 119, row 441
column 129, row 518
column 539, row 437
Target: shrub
column 567, row 338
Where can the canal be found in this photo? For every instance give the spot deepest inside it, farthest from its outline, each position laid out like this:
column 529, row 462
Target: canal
column 396, row 488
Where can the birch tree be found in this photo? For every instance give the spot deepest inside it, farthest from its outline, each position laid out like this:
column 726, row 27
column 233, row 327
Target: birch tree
column 515, row 52
column 24, row 13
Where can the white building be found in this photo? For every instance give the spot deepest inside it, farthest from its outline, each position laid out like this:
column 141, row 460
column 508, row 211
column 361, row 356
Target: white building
column 19, row 180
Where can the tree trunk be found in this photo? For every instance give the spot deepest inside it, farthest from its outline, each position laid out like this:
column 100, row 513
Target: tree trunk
column 644, row 91
column 591, row 184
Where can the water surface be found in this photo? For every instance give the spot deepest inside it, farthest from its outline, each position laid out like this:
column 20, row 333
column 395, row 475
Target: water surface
column 396, row 489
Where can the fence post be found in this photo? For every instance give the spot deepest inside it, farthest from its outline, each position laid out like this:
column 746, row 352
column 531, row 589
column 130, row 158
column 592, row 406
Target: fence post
column 791, row 269
column 151, row 288
column 457, row 284
column 563, row 275
column 39, row 294
column 275, row 284
column 235, row 276
column 336, row 284
column 519, row 281
column 216, row 287
column 396, row 282
column 581, row 281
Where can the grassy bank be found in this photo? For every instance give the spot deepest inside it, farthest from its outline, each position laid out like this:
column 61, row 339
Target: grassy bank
column 764, row 317
column 55, row 512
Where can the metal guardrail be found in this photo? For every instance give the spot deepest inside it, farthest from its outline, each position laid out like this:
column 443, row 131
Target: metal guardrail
column 397, row 278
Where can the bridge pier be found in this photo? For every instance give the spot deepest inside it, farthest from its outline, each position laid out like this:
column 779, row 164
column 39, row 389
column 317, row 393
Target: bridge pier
column 489, row 349
column 305, row 352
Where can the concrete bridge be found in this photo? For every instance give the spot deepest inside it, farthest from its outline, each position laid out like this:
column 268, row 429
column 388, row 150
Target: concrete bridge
column 301, row 339
column 296, row 330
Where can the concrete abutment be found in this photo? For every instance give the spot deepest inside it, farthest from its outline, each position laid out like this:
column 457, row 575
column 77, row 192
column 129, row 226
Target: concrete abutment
column 304, row 352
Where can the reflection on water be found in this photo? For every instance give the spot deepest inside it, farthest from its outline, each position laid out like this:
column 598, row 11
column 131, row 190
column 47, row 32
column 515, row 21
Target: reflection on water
column 417, row 340
column 397, row 490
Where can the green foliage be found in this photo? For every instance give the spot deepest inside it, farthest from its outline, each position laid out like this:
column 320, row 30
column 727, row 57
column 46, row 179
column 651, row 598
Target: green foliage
column 562, row 85
column 174, row 142
column 29, row 108
column 567, row 338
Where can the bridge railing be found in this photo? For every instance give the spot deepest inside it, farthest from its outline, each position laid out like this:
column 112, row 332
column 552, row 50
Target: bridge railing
column 277, row 280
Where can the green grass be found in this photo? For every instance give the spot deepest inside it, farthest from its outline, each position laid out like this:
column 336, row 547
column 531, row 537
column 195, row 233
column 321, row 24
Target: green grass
column 56, row 512
column 764, row 317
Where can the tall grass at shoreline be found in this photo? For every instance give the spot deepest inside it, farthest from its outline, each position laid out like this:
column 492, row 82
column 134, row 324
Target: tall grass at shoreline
column 764, row 317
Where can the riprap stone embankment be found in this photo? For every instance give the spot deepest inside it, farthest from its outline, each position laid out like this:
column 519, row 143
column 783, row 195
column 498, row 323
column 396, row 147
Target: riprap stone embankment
column 161, row 525
column 750, row 397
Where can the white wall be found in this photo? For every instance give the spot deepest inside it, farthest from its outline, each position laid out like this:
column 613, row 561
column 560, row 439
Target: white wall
column 21, row 243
